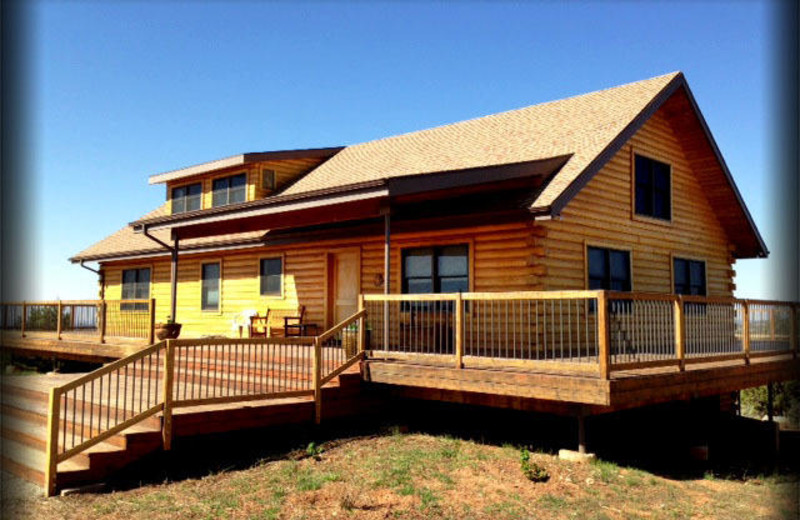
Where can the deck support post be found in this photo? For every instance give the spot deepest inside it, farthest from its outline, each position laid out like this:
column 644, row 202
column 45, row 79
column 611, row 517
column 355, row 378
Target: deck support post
column 173, row 295
column 387, row 267
column 53, row 420
column 459, row 332
column 770, row 403
column 152, row 333
column 103, row 317
column 581, row 432
column 169, row 369
column 362, row 326
column 317, row 380
column 794, row 340
column 58, row 320
column 746, row 331
column 604, row 334
column 24, row 318
column 680, row 333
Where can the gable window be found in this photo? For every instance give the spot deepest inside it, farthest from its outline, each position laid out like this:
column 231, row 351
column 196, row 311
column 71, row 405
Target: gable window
column 210, row 276
column 436, row 269
column 689, row 276
column 135, row 286
column 271, row 274
column 229, row 190
column 186, row 198
column 609, row 269
column 653, row 198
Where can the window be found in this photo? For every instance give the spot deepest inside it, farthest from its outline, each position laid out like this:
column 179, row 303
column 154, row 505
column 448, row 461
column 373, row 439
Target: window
column 652, row 188
column 271, row 272
column 210, row 287
column 186, row 198
column 268, row 180
column 609, row 269
column 689, row 276
column 135, row 286
column 436, row 269
column 229, row 190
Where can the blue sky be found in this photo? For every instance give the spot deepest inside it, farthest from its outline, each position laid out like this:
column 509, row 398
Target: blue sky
column 123, row 90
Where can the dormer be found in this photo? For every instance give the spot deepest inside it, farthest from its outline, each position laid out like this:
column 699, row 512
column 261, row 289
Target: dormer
column 237, row 179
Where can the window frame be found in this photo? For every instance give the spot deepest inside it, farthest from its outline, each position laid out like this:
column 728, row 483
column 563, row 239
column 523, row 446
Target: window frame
column 171, row 191
column 689, row 259
column 228, row 177
column 203, row 263
column 134, row 307
column 643, row 216
column 436, row 280
column 607, row 246
column 274, row 175
column 282, row 294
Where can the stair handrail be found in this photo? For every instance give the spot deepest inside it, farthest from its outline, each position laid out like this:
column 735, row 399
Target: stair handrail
column 319, row 379
column 55, row 409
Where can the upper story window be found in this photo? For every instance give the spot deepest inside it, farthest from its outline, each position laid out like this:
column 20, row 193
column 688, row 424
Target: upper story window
column 653, row 197
column 436, row 269
column 229, row 190
column 609, row 269
column 186, row 198
column 135, row 286
column 268, row 180
column 271, row 275
column 689, row 276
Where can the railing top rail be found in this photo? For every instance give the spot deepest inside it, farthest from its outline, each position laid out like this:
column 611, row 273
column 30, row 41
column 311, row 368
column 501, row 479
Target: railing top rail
column 72, row 302
column 515, row 295
column 105, row 369
column 565, row 295
column 341, row 325
column 193, row 342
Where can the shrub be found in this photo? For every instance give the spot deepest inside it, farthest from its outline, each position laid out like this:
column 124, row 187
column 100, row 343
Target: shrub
column 531, row 469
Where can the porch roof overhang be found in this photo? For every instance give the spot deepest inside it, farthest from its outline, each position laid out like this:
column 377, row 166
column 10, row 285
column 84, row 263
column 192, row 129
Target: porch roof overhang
column 346, row 203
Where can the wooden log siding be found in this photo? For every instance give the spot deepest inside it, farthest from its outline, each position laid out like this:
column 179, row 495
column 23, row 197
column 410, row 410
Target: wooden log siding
column 506, row 258
column 602, row 215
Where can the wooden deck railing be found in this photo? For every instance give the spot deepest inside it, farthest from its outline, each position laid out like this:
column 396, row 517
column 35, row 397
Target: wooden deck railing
column 190, row 372
column 83, row 319
column 587, row 332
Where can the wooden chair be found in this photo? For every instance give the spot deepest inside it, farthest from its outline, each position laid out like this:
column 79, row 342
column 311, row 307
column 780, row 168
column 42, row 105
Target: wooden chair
column 275, row 322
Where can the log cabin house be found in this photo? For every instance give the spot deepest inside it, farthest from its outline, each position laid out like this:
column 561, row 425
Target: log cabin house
column 575, row 256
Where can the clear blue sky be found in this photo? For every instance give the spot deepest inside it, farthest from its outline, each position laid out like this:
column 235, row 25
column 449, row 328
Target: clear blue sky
column 123, row 90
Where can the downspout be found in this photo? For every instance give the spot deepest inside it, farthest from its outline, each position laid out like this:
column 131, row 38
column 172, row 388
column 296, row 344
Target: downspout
column 173, row 270
column 101, row 279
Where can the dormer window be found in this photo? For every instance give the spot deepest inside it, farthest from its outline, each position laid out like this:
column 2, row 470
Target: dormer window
column 653, row 187
column 229, row 190
column 268, row 180
column 186, row 198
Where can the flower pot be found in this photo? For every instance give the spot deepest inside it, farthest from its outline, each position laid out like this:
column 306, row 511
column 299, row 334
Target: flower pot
column 168, row 330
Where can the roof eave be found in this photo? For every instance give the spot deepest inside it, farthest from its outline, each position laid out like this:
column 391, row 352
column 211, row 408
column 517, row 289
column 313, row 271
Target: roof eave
column 241, row 160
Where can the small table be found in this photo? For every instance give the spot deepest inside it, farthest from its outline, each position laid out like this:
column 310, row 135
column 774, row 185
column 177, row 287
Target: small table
column 300, row 329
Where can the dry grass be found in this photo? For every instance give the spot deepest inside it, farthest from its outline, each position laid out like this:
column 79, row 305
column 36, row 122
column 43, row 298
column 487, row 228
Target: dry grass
column 416, row 476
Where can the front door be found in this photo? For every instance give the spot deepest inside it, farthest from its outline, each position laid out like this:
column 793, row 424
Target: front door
column 343, row 285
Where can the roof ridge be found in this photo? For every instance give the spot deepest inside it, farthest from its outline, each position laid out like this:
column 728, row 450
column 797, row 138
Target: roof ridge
column 670, row 75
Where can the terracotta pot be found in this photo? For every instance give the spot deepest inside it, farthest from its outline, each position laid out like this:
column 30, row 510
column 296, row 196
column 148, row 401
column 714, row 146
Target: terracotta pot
column 168, row 330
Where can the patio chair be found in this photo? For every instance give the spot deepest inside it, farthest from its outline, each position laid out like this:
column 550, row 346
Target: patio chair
column 275, row 322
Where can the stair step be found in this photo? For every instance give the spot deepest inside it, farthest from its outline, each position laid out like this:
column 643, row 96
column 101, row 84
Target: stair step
column 29, row 463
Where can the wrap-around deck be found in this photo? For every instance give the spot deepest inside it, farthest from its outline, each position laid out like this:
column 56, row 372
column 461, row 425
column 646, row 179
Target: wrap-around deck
column 575, row 352
column 590, row 350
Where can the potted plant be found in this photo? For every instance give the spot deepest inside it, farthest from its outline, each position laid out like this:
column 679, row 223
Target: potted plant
column 350, row 339
column 168, row 329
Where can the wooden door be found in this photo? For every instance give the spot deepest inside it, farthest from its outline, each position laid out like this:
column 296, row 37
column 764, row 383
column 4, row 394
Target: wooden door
column 344, row 285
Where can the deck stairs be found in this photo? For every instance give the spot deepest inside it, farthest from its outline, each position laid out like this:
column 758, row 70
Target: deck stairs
column 63, row 431
column 24, row 416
